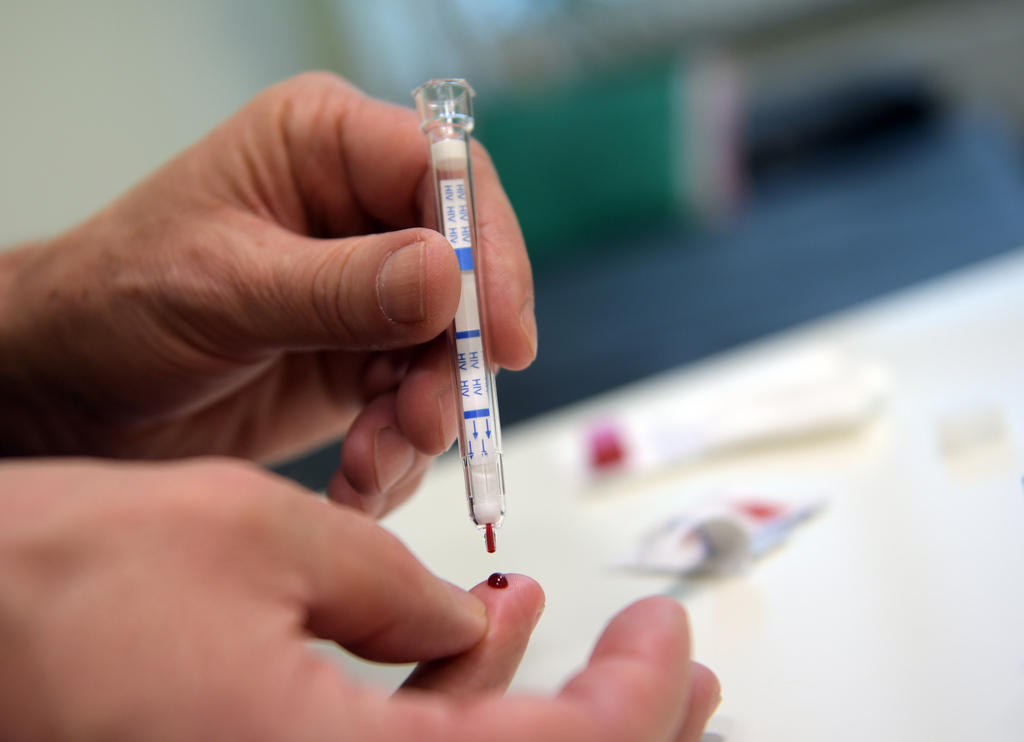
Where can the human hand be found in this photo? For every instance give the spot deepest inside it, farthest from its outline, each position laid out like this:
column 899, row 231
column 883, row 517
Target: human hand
column 251, row 299
column 175, row 601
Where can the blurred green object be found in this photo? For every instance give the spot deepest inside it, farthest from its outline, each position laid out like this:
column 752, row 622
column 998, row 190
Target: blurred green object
column 593, row 160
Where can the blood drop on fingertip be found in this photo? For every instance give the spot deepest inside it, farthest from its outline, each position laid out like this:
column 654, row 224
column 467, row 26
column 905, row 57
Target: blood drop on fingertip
column 498, row 580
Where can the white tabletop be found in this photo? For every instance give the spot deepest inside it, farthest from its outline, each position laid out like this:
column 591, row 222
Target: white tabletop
column 896, row 614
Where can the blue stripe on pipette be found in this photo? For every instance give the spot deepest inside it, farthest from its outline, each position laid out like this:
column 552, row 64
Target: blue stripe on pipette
column 470, row 414
column 467, row 334
column 465, row 256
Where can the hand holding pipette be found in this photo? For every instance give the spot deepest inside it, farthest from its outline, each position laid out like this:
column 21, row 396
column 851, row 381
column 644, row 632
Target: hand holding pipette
column 264, row 316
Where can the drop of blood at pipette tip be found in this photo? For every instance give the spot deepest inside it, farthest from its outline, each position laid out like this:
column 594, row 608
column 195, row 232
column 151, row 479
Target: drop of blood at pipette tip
column 498, row 580
column 489, row 538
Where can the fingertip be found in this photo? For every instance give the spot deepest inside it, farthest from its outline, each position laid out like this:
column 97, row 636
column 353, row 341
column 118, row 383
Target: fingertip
column 705, row 697
column 656, row 626
column 508, row 278
column 380, row 467
column 425, row 402
column 376, row 291
column 528, row 326
column 384, row 371
column 521, row 595
column 489, row 666
column 511, row 322
column 417, row 279
column 340, row 491
column 638, row 676
column 357, row 456
column 520, row 350
column 376, row 457
column 706, row 691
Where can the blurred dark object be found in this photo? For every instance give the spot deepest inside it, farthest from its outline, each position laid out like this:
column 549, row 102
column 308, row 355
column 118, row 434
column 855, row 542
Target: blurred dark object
column 823, row 124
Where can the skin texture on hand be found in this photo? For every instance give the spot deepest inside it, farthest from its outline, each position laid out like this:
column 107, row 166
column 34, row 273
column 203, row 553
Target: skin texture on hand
column 267, row 290
column 175, row 601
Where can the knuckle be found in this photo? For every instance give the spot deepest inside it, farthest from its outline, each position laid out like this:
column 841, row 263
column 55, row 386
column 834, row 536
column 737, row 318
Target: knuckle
column 329, row 297
column 201, row 285
column 318, row 81
column 234, row 490
column 310, row 85
column 229, row 472
column 202, row 274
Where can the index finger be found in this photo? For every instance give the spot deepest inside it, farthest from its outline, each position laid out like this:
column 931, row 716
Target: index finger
column 488, row 667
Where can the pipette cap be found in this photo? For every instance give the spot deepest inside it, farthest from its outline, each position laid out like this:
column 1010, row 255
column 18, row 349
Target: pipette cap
column 446, row 101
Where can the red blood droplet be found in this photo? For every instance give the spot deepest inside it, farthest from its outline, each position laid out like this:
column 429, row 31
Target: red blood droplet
column 606, row 449
column 498, row 580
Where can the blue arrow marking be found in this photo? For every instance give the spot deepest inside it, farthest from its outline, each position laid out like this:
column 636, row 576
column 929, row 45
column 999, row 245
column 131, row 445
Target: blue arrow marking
column 477, row 435
column 483, row 449
column 487, row 422
column 471, row 450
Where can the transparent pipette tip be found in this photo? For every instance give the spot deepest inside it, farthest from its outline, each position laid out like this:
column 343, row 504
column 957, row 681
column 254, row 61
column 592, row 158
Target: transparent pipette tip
column 445, row 101
column 485, row 483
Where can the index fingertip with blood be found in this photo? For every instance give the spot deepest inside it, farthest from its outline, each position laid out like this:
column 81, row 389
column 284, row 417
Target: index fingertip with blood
column 514, row 592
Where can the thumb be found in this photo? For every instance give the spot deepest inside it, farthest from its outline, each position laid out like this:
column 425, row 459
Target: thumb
column 371, row 292
column 359, row 586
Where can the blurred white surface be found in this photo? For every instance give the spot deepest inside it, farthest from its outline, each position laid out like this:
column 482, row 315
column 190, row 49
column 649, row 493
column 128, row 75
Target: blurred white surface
column 895, row 614
column 98, row 94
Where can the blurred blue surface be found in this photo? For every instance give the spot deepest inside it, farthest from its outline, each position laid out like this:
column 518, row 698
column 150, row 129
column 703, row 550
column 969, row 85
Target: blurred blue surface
column 814, row 237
